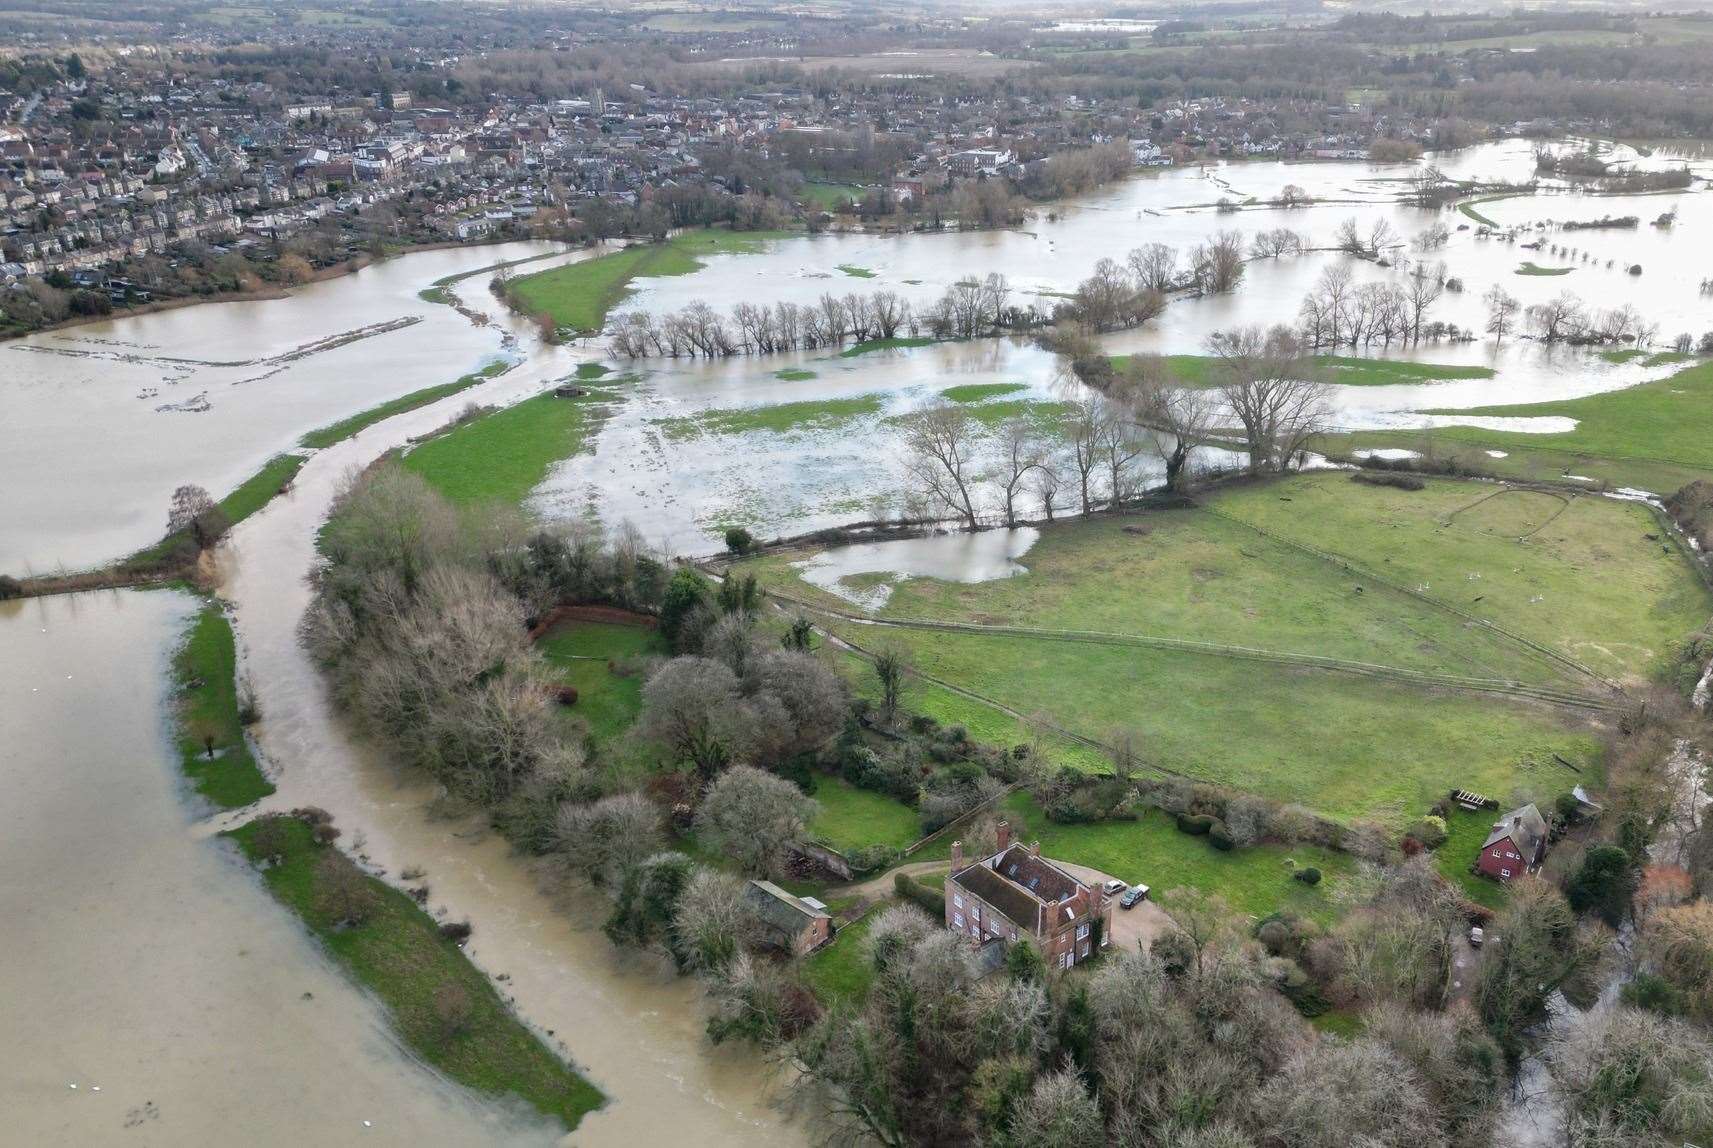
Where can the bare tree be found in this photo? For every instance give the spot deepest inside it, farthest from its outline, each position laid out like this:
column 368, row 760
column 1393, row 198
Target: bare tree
column 1422, row 289
column 752, row 817
column 685, row 705
column 1269, row 386
column 1217, row 265
column 1502, row 308
column 194, row 512
column 941, row 463
column 1155, row 267
column 1021, row 451
column 1176, row 418
column 1082, row 431
column 1560, row 317
column 605, row 839
column 891, row 669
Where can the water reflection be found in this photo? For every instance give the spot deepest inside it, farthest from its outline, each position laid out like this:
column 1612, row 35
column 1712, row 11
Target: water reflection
column 980, row 557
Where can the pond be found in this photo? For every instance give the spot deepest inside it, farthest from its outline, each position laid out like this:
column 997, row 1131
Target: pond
column 980, row 557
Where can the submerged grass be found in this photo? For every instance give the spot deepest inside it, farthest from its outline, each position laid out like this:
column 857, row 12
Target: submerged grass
column 977, row 392
column 1344, row 370
column 206, row 712
column 779, row 418
column 1530, row 267
column 398, row 954
column 869, row 346
column 794, row 374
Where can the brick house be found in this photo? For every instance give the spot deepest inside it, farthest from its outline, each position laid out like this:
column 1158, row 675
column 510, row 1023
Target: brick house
column 787, row 922
column 1015, row 893
column 1517, row 844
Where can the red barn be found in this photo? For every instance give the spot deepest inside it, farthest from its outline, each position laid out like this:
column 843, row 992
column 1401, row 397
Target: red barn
column 1516, row 846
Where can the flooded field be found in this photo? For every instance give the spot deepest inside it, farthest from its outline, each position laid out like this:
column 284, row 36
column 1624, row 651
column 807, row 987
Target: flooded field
column 154, row 993
column 99, row 423
column 947, row 557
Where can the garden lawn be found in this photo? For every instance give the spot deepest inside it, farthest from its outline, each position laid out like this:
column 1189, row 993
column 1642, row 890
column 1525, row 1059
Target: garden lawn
column 608, row 703
column 501, row 457
column 1150, row 851
column 345, row 428
column 399, row 955
column 1662, row 422
column 579, row 295
column 1465, row 832
column 205, row 672
column 852, row 818
column 1589, row 582
column 1346, row 746
column 842, row 970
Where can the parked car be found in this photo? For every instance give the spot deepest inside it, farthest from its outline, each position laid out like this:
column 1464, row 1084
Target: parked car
column 1113, row 888
column 1477, row 937
column 1133, row 895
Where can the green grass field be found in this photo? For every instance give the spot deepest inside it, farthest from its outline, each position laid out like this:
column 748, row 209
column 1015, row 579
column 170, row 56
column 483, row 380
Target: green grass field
column 1652, row 430
column 831, row 196
column 398, row 955
column 607, row 703
column 779, row 418
column 501, row 457
column 1358, row 573
column 579, row 295
column 205, row 674
column 345, row 428
column 1589, row 583
column 851, row 818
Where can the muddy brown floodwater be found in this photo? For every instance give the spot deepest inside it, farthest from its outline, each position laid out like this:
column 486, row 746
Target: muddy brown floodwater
column 152, row 992
column 632, row 1026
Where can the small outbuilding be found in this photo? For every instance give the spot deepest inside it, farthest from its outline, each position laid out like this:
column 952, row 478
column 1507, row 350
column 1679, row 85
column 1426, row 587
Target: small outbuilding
column 1517, row 844
column 788, row 922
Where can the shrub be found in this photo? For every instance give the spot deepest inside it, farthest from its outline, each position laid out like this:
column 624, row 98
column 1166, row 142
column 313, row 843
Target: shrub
column 1195, row 824
column 872, row 857
column 457, row 931
column 1399, row 481
column 1219, row 836
column 1175, row 951
column 10, row 587
column 1430, row 831
column 1656, row 994
column 739, row 540
column 1308, row 876
column 933, row 900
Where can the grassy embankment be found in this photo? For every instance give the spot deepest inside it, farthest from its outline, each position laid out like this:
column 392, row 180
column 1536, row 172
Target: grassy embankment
column 980, row 392
column 1587, row 583
column 856, row 272
column 250, row 496
column 1344, row 370
column 1652, row 436
column 607, row 702
column 343, row 429
column 398, row 954
column 206, row 712
column 579, row 295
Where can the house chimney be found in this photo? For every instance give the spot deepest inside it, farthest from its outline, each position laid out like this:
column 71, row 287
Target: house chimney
column 1035, row 848
column 957, row 855
column 1003, row 832
column 1516, row 823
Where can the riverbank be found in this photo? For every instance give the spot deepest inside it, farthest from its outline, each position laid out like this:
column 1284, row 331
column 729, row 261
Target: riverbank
column 440, row 1004
column 210, row 711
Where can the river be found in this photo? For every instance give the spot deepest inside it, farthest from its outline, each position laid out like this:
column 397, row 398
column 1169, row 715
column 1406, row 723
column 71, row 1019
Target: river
column 153, row 992
column 180, row 974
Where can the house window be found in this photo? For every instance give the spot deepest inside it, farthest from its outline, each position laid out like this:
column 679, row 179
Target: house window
column 1082, row 932
column 1065, row 961
column 1504, row 872
column 958, row 920
column 975, row 911
column 957, row 901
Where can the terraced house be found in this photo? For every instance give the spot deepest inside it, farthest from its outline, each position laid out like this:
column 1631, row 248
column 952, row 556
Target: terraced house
column 1015, row 893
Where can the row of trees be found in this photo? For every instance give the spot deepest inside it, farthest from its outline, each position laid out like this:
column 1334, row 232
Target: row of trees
column 1340, row 312
column 968, row 308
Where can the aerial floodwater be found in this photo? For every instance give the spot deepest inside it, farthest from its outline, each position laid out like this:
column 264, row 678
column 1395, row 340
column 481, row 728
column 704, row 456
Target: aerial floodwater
column 153, row 992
